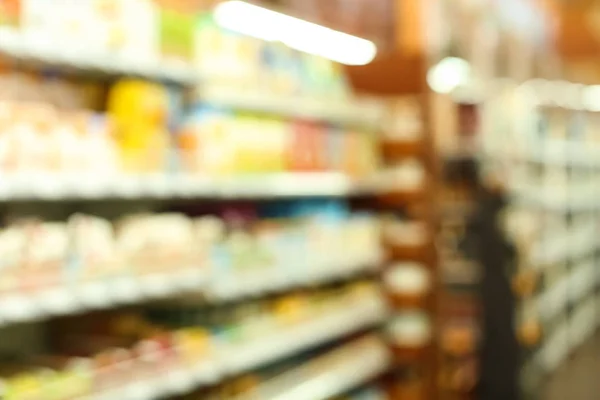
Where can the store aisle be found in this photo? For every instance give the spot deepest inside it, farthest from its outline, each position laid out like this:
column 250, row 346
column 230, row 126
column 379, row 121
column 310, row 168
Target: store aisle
column 579, row 378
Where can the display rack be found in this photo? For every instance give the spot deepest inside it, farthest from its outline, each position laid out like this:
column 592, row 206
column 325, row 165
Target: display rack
column 369, row 358
column 411, row 273
column 338, row 292
column 555, row 280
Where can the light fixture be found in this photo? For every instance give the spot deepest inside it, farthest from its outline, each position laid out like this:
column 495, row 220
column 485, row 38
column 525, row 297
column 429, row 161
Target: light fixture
column 269, row 25
column 448, row 74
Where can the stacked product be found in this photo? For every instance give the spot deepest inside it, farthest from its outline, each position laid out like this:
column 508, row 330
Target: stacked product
column 93, row 262
column 47, row 127
column 217, row 141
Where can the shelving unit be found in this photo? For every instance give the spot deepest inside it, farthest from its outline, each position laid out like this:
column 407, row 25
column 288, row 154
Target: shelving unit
column 369, row 358
column 230, row 361
column 130, row 290
column 554, row 224
column 154, row 365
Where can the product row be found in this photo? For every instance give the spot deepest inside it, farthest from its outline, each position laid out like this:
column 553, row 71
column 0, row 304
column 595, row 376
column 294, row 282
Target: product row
column 323, row 375
column 277, row 244
column 217, row 141
column 544, row 134
column 36, row 138
column 249, row 64
column 172, row 348
column 568, row 334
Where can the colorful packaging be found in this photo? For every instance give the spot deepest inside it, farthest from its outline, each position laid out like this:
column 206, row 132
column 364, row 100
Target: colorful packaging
column 207, row 143
column 176, row 32
column 140, row 111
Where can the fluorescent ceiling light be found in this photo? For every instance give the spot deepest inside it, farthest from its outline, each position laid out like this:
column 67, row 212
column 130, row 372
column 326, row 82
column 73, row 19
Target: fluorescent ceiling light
column 298, row 34
column 448, row 74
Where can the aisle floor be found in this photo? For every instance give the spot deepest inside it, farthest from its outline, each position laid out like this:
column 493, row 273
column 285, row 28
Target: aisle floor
column 579, row 378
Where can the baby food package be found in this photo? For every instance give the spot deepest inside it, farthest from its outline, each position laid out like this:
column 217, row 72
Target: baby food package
column 63, row 143
column 94, row 249
column 362, row 240
column 45, row 257
column 28, row 137
column 131, row 235
column 206, row 142
column 174, row 236
column 156, row 244
column 12, row 248
column 100, row 149
column 209, row 232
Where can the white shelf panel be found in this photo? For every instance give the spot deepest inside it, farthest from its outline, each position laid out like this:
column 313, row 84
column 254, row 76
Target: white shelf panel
column 273, row 281
column 278, row 345
column 129, row 290
column 571, row 198
column 555, row 153
column 368, row 112
column 321, row 330
column 41, row 187
column 370, row 359
column 564, row 247
column 98, row 295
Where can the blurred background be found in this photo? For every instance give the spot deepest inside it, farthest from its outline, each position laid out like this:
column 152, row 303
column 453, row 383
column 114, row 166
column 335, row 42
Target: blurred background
column 299, row 200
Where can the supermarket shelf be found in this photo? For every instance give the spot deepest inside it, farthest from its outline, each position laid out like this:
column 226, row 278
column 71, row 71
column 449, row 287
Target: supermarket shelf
column 40, row 187
column 311, row 333
column 553, row 199
column 568, row 336
column 98, row 295
column 258, row 283
column 369, row 358
column 565, row 247
column 557, row 153
column 129, row 290
column 237, row 358
column 571, row 289
column 20, row 48
column 366, row 112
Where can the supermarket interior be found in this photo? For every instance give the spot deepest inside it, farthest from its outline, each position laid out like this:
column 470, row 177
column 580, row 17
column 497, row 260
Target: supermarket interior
column 386, row 206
